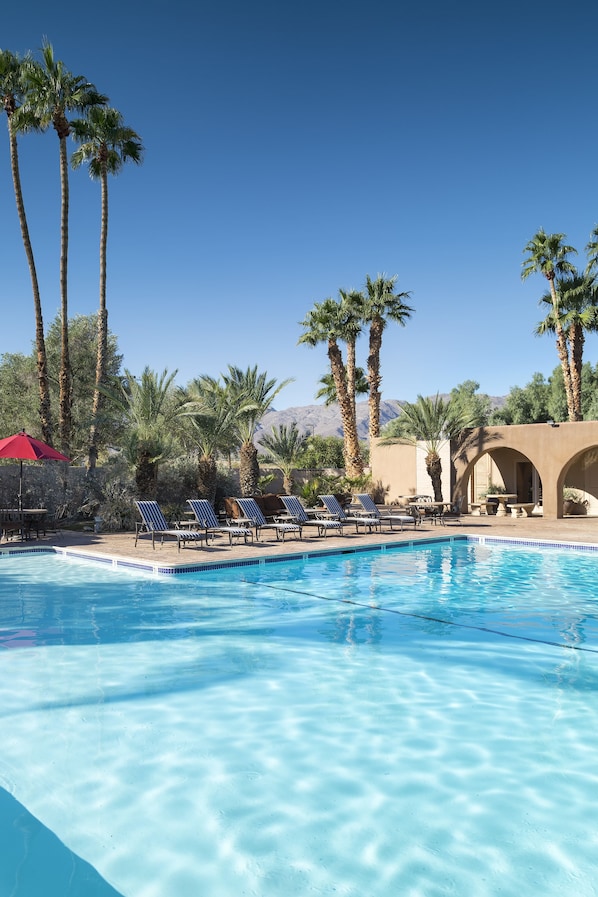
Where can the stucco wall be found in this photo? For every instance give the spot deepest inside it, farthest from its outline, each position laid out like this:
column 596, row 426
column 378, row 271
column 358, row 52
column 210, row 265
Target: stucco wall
column 402, row 468
column 552, row 450
column 561, row 454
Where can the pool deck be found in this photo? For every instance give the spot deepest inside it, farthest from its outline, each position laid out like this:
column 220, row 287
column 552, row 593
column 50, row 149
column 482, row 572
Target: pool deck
column 121, row 547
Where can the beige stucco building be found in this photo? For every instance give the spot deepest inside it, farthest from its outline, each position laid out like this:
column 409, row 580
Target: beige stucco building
column 533, row 461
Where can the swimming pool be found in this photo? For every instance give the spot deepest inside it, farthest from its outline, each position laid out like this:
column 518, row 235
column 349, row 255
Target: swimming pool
column 418, row 721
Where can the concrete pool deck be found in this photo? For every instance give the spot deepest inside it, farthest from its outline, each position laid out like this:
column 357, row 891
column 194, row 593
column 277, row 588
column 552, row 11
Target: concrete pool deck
column 121, row 546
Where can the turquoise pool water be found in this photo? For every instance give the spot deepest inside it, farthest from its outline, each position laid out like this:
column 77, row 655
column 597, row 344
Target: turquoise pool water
column 419, row 721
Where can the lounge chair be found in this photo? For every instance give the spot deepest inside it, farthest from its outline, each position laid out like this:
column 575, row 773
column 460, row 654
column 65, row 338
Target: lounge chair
column 252, row 512
column 335, row 510
column 154, row 523
column 206, row 518
column 296, row 510
column 367, row 503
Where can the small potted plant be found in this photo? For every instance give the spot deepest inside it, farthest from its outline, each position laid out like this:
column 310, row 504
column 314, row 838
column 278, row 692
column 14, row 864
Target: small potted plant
column 573, row 502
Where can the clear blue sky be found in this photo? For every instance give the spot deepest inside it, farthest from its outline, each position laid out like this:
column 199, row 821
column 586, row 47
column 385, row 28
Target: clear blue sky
column 293, row 148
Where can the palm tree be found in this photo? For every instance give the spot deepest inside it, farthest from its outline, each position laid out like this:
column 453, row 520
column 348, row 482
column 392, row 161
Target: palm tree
column 327, row 390
column 577, row 313
column 547, row 254
column 324, row 323
column 52, row 93
column 214, row 422
column 382, row 304
column 433, row 422
column 12, row 89
column 151, row 408
column 106, row 144
column 592, row 251
column 256, row 393
column 284, row 445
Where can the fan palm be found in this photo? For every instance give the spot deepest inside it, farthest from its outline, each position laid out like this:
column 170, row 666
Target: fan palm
column 324, row 323
column 432, row 422
column 548, row 254
column 577, row 314
column 284, row 446
column 256, row 392
column 382, row 304
column 106, row 144
column 52, row 94
column 12, row 90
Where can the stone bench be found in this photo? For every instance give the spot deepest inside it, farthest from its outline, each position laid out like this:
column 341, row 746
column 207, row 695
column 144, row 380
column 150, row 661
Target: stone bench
column 478, row 508
column 521, row 509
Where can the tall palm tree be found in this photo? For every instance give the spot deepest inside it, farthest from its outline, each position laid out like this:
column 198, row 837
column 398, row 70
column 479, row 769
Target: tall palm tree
column 577, row 314
column 257, row 393
column 382, row 304
column 151, row 407
column 214, row 421
column 12, row 90
column 52, row 94
column 106, row 144
column 548, row 254
column 433, row 422
column 324, row 324
column 284, row 445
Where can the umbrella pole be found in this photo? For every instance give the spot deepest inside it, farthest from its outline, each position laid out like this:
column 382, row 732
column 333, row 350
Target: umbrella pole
column 21, row 487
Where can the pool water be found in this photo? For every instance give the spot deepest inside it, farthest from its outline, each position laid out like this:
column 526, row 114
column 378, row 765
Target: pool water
column 419, row 721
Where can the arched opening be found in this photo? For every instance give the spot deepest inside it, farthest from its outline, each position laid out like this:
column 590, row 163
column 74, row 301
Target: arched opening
column 579, row 483
column 502, row 470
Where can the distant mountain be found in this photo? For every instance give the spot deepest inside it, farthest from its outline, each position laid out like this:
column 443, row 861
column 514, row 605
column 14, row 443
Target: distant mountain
column 322, row 420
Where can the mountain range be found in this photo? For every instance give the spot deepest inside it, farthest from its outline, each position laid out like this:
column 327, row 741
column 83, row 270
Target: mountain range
column 325, row 420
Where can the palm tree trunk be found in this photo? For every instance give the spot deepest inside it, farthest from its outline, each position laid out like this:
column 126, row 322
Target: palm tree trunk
column 576, row 339
column 65, row 374
column 146, row 477
column 434, row 469
column 207, row 475
column 374, row 377
column 45, row 413
column 351, row 364
column 249, row 469
column 102, row 347
column 561, row 348
column 352, row 450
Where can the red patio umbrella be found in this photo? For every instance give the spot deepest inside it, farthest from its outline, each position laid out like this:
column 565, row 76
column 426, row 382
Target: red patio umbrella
column 23, row 447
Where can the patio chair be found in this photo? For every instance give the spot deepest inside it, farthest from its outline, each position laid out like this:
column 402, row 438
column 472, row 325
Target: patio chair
column 296, row 510
column 335, row 510
column 367, row 503
column 153, row 522
column 253, row 514
column 12, row 524
column 206, row 518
